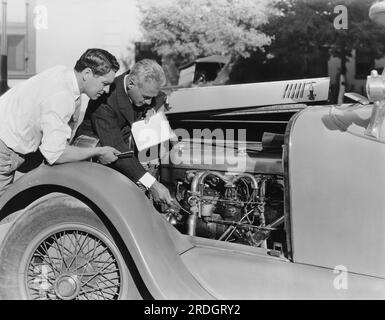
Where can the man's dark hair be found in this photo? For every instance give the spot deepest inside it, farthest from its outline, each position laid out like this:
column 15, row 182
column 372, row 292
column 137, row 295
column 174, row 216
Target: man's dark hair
column 98, row 60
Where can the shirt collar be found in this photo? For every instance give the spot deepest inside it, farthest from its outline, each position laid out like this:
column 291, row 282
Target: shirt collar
column 125, row 87
column 75, row 85
column 125, row 83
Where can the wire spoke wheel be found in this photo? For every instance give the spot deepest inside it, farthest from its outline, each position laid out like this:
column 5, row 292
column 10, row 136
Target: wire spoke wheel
column 62, row 250
column 73, row 264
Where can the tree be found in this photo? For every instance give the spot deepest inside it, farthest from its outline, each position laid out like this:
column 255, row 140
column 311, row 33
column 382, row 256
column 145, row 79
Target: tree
column 302, row 34
column 305, row 38
column 183, row 30
column 362, row 35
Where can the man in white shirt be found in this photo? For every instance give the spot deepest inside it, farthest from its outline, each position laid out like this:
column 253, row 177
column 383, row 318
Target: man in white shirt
column 133, row 95
column 44, row 111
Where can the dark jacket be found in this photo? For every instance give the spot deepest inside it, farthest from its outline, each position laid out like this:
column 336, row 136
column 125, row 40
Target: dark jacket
column 110, row 118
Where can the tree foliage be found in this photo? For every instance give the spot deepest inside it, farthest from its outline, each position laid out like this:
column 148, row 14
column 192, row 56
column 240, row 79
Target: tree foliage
column 302, row 32
column 267, row 40
column 305, row 37
column 186, row 30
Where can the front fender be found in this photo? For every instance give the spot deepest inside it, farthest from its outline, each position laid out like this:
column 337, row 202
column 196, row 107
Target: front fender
column 148, row 237
column 337, row 186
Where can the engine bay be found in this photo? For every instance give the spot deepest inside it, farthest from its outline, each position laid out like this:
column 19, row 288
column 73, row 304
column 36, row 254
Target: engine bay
column 245, row 207
column 238, row 194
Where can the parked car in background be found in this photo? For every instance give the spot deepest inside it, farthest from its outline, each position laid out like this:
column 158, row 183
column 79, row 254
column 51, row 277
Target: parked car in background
column 201, row 70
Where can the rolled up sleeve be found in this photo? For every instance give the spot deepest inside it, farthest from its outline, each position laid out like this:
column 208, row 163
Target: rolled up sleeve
column 55, row 115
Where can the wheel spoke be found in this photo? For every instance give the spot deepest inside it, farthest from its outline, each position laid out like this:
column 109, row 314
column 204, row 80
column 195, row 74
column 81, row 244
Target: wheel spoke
column 92, row 277
column 78, row 251
column 115, row 284
column 76, row 259
column 53, row 265
column 56, row 241
column 101, row 273
column 85, row 244
column 44, row 259
column 93, row 289
column 72, row 251
column 90, row 260
column 96, row 245
column 97, row 289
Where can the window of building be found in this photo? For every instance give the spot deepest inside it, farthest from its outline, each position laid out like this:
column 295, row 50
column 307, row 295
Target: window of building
column 20, row 40
column 16, row 53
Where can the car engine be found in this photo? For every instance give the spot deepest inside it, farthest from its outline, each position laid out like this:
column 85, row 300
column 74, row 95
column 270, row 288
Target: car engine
column 242, row 207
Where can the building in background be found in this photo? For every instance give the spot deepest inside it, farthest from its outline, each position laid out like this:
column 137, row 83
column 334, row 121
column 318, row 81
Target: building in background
column 44, row 33
column 21, row 39
column 357, row 69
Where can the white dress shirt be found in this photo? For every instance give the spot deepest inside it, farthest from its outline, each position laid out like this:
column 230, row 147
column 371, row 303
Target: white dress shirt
column 35, row 114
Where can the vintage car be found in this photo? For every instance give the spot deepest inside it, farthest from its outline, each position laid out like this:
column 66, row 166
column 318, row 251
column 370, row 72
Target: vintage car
column 288, row 204
column 278, row 195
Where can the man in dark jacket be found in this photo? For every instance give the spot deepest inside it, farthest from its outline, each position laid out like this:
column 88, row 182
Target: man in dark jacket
column 133, row 96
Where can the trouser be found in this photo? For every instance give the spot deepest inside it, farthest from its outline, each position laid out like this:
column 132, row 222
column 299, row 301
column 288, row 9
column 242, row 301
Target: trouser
column 10, row 161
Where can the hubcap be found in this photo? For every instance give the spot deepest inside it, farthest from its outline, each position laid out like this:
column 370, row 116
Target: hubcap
column 67, row 287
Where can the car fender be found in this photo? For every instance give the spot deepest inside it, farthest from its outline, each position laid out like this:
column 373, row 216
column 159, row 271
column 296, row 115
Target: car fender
column 336, row 194
column 153, row 244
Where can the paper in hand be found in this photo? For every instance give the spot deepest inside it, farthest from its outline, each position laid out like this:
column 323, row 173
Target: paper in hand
column 156, row 131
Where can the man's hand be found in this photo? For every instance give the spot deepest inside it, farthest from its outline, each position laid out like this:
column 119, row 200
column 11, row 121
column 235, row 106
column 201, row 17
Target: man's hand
column 5, row 162
column 161, row 193
column 149, row 114
column 107, row 155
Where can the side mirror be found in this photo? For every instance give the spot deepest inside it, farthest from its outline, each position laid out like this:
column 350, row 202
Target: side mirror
column 377, row 12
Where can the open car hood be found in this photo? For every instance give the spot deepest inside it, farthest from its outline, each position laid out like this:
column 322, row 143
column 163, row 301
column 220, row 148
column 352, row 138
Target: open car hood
column 248, row 95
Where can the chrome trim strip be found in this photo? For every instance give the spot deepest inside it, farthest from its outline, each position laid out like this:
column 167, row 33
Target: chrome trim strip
column 286, row 183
